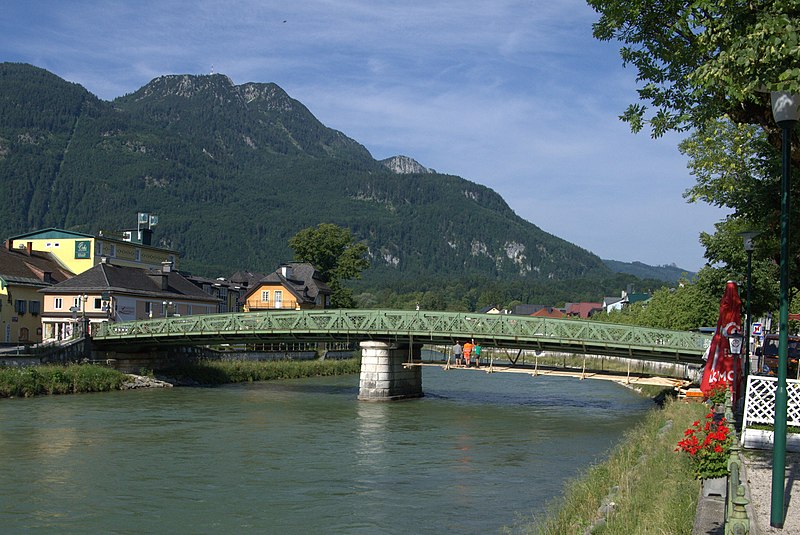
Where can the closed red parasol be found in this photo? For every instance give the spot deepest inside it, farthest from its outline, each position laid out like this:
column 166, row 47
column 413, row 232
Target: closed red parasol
column 722, row 368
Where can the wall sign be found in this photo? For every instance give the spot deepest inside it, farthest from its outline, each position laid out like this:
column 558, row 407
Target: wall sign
column 82, row 249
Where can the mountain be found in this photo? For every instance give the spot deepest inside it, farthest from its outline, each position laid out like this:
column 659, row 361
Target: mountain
column 403, row 165
column 667, row 273
column 234, row 171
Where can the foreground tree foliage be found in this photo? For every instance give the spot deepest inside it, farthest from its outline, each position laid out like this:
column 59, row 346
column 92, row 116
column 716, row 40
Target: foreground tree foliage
column 707, row 67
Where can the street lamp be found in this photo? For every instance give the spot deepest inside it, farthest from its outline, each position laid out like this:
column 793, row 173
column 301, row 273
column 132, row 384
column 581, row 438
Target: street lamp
column 748, row 237
column 735, row 340
column 785, row 111
column 84, row 319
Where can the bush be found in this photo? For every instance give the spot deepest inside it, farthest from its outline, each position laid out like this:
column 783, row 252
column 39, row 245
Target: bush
column 215, row 372
column 53, row 379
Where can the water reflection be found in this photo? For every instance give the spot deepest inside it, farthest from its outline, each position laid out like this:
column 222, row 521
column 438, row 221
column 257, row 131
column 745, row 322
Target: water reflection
column 371, row 421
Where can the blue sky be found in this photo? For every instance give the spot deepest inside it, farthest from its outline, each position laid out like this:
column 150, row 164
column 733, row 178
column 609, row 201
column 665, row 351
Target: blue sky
column 515, row 95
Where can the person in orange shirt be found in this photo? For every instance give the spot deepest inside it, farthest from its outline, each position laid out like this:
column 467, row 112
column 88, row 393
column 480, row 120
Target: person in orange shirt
column 467, row 353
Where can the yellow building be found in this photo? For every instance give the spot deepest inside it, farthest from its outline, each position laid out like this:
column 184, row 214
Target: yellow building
column 294, row 286
column 22, row 274
column 78, row 252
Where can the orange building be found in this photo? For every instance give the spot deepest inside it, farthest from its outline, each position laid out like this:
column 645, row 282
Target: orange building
column 294, row 286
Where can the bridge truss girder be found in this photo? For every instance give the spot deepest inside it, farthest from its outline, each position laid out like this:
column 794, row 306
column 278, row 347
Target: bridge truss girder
column 424, row 327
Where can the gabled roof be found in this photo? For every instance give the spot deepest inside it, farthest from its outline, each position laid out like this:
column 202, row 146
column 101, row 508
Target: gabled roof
column 583, row 310
column 608, row 301
column 246, row 278
column 526, row 310
column 50, row 233
column 106, row 277
column 638, row 298
column 549, row 312
column 302, row 280
column 20, row 267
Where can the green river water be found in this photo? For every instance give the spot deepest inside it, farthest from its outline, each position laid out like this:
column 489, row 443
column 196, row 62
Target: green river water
column 478, row 452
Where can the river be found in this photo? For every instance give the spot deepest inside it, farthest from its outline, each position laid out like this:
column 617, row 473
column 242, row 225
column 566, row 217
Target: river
column 304, row 456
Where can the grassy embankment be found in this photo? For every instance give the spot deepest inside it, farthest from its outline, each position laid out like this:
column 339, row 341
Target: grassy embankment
column 651, row 486
column 77, row 378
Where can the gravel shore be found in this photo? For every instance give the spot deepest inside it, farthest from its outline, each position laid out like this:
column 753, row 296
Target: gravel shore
column 758, row 467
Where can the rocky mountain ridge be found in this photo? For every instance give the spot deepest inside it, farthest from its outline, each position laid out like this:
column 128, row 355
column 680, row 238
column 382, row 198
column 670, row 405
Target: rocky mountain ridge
column 235, row 170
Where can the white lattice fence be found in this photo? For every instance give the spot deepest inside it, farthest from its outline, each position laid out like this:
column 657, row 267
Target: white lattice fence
column 759, row 408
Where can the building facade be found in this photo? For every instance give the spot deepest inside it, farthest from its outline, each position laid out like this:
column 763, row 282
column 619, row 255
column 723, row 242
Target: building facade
column 293, row 286
column 79, row 252
column 111, row 292
column 22, row 274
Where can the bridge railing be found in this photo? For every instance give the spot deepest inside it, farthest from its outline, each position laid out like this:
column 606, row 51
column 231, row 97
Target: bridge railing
column 434, row 327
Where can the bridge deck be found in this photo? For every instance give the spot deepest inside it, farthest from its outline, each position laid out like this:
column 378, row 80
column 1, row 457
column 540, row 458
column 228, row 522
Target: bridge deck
column 403, row 327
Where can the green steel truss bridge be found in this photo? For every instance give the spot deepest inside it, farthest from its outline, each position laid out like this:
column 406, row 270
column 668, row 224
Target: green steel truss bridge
column 405, row 327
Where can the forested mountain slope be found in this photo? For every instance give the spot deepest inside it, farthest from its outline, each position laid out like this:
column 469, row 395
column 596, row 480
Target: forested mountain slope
column 233, row 171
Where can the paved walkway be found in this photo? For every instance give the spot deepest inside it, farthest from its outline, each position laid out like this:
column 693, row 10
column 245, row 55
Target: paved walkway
column 758, row 471
column 758, row 474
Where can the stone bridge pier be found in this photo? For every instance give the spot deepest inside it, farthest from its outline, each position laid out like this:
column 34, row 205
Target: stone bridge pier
column 384, row 376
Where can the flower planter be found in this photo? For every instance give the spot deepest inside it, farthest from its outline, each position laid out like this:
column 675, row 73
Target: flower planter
column 715, row 486
column 762, row 439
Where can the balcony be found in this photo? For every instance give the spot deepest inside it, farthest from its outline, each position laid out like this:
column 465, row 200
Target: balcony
column 257, row 304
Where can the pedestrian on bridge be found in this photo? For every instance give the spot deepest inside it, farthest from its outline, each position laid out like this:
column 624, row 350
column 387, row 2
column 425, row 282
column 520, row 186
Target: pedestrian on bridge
column 476, row 351
column 457, row 354
column 467, row 353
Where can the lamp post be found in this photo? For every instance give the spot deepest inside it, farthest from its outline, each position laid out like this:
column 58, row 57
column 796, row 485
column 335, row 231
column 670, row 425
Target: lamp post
column 84, row 319
column 748, row 237
column 785, row 112
column 735, row 340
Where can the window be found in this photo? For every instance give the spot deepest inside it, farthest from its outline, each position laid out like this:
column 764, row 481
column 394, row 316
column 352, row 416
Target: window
column 98, row 303
column 278, row 298
column 265, row 296
column 34, row 307
column 58, row 303
column 138, row 255
column 112, row 250
column 20, row 306
column 76, row 302
column 98, row 248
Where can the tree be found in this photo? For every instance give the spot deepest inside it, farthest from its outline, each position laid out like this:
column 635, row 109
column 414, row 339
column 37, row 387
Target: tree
column 332, row 251
column 706, row 59
column 707, row 66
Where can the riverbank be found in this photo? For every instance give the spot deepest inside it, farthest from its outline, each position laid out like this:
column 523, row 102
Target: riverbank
column 643, row 487
column 82, row 378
